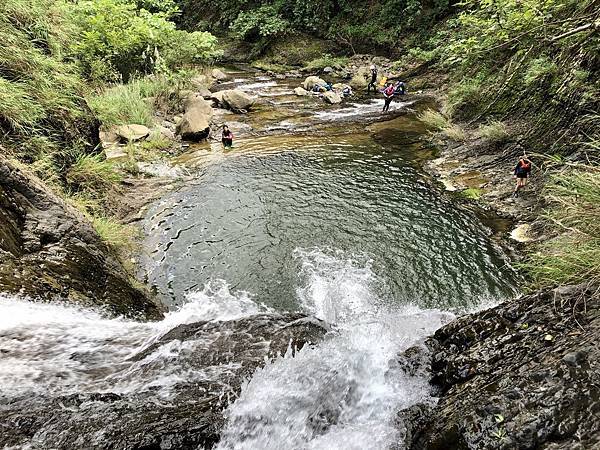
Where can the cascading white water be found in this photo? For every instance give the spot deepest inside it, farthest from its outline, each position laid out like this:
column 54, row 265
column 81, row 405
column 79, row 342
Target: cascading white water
column 60, row 349
column 345, row 392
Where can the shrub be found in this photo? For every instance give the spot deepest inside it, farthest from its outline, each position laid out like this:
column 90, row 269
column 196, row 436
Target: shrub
column 471, row 193
column 116, row 40
column 262, row 22
column 494, row 131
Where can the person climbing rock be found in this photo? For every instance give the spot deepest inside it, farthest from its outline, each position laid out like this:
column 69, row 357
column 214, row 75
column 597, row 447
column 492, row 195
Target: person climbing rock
column 347, row 92
column 373, row 81
column 522, row 170
column 388, row 96
column 227, row 137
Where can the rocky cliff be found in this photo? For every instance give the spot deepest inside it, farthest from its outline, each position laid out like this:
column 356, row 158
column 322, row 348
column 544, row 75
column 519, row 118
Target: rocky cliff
column 523, row 375
column 48, row 250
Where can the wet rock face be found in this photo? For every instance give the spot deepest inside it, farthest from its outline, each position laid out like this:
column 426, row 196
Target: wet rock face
column 188, row 415
column 525, row 374
column 48, row 250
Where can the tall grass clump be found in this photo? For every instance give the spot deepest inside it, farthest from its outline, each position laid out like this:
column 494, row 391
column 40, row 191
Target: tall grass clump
column 573, row 255
column 494, row 131
column 92, row 173
column 120, row 237
column 434, row 119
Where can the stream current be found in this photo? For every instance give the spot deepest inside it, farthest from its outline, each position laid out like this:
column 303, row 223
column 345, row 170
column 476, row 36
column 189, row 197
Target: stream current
column 318, row 209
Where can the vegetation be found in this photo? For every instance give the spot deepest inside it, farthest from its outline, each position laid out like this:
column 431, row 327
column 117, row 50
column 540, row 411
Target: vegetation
column 326, row 61
column 573, row 255
column 494, row 131
column 55, row 60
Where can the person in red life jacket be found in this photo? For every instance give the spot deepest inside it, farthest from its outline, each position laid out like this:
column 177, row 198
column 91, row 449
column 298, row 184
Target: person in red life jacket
column 227, row 137
column 522, row 170
column 388, row 95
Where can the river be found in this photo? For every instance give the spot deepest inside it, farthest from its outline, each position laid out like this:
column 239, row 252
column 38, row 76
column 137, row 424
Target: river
column 318, row 209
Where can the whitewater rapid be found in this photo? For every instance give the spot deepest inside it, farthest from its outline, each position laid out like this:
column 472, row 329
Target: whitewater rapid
column 341, row 394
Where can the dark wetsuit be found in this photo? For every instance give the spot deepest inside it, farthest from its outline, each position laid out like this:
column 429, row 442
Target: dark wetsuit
column 373, row 81
column 227, row 139
column 388, row 96
column 522, row 169
column 400, row 89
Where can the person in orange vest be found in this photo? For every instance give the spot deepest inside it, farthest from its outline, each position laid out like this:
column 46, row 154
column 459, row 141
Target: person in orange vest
column 522, row 170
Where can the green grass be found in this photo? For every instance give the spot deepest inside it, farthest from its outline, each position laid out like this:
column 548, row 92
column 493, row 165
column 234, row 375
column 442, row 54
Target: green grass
column 494, row 131
column 93, row 174
column 326, row 61
column 434, row 119
column 128, row 103
column 573, row 255
column 115, row 234
column 455, row 133
column 471, row 193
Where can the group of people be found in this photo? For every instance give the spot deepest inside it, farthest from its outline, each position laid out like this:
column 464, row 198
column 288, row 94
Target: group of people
column 319, row 88
column 389, row 90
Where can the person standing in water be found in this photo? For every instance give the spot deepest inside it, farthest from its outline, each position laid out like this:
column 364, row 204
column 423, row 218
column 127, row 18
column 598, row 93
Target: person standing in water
column 227, row 137
column 388, row 96
column 522, row 170
column 373, row 79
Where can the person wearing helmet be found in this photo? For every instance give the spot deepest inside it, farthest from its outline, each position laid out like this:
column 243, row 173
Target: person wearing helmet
column 373, row 81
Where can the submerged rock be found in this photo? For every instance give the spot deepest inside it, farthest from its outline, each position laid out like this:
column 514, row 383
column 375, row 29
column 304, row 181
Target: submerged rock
column 213, row 358
column 525, row 374
column 49, row 250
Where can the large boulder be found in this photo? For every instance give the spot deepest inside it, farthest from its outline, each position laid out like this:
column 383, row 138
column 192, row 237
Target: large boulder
column 50, row 251
column 195, row 122
column 524, row 374
column 235, row 99
column 332, row 98
column 201, row 81
column 219, row 75
column 311, row 81
column 301, row 92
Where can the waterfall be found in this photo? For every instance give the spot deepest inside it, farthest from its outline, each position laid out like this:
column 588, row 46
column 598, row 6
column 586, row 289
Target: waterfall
column 345, row 392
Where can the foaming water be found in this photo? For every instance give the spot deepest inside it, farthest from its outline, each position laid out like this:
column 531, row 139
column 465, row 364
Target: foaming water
column 61, row 349
column 344, row 393
column 355, row 110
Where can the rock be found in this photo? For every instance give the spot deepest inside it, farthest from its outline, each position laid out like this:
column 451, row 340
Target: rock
column 131, row 133
column 201, row 81
column 339, row 87
column 115, row 153
column 219, row 75
column 526, row 370
column 109, row 139
column 234, row 99
column 195, row 123
column 301, row 92
column 50, row 251
column 204, row 92
column 311, row 81
column 161, row 132
column 358, row 82
column 328, row 70
column 332, row 97
column 189, row 416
